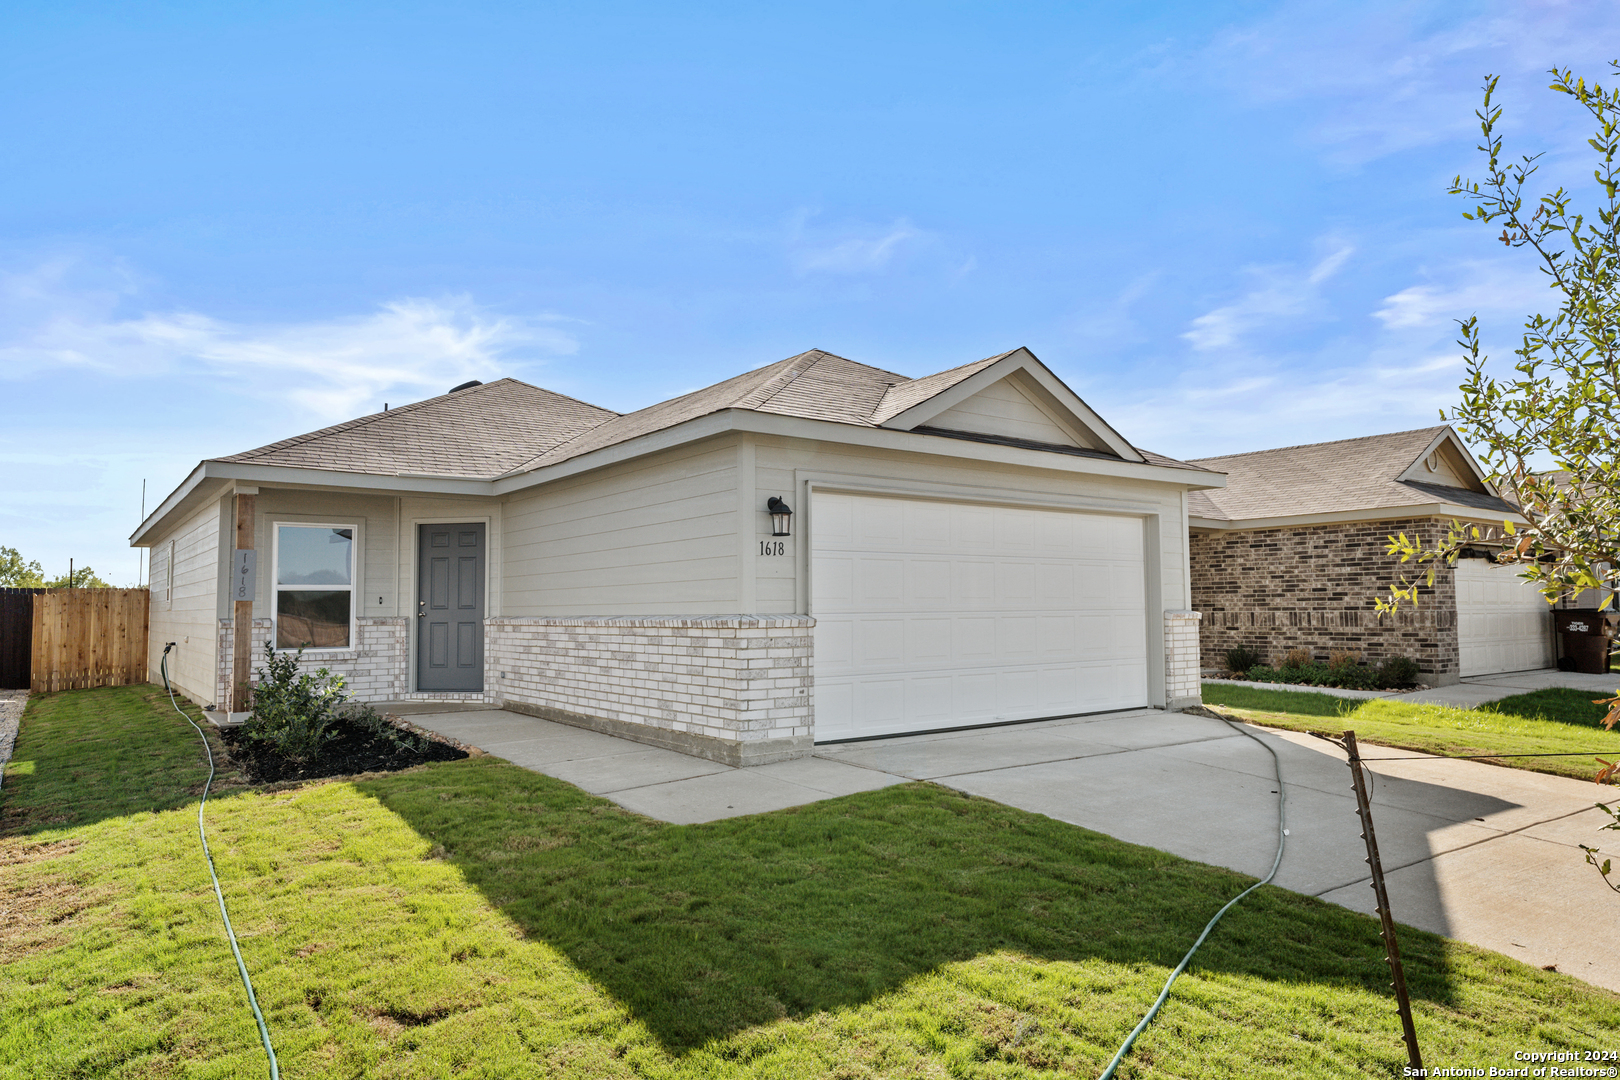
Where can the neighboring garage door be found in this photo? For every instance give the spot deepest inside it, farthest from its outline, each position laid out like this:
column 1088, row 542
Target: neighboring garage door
column 940, row 614
column 1502, row 623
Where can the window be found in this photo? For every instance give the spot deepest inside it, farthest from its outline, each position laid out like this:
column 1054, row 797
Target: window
column 314, row 586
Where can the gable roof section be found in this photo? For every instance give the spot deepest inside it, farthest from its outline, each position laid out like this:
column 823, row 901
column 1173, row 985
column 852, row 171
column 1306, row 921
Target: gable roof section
column 507, row 428
column 1350, row 476
column 475, row 433
column 913, row 406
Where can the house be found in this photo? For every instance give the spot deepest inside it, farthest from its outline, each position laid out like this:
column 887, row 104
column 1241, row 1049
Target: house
column 1292, row 552
column 973, row 547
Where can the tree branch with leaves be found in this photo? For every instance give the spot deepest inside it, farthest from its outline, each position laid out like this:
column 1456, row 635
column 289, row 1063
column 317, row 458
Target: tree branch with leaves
column 1561, row 405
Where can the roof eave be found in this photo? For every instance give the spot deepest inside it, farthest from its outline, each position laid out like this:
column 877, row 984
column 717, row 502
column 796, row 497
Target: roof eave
column 1019, row 359
column 746, row 420
column 294, row 476
column 1334, row 517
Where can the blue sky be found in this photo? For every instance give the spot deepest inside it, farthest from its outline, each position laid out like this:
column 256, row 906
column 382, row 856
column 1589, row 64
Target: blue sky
column 1223, row 224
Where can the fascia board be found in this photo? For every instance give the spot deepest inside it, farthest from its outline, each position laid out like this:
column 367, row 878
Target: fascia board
column 794, row 427
column 163, row 509
column 1020, row 360
column 1347, row 517
column 289, row 476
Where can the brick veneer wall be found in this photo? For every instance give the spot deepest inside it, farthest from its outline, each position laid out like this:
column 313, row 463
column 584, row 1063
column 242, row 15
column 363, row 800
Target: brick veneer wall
column 1312, row 587
column 736, row 689
column 1181, row 659
column 377, row 670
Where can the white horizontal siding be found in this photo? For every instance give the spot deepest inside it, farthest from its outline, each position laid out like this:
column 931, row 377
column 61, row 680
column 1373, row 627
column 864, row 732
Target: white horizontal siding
column 656, row 536
column 1002, row 409
column 190, row 617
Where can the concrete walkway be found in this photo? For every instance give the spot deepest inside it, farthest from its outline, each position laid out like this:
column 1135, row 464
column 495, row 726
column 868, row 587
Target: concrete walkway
column 662, row 784
column 1477, row 852
column 1485, row 688
column 1470, row 692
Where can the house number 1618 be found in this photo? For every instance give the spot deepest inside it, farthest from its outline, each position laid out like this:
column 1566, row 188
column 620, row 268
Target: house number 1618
column 772, row 547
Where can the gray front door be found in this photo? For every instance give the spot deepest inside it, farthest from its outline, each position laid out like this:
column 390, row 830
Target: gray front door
column 450, row 607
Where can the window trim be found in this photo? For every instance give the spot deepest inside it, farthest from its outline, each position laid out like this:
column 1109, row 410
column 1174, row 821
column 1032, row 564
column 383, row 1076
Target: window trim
column 168, row 577
column 353, row 587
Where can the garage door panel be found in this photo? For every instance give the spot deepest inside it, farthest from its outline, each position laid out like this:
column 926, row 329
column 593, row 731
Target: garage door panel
column 833, row 588
column 965, row 614
column 878, row 581
column 1502, row 620
column 1015, row 584
column 928, row 581
column 835, row 645
column 928, row 640
column 1017, row 639
column 880, row 643
column 973, row 529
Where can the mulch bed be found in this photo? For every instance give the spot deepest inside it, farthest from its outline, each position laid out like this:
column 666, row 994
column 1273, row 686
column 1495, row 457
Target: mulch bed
column 355, row 750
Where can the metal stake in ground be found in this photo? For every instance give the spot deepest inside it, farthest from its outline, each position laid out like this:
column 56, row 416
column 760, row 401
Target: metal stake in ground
column 1386, row 920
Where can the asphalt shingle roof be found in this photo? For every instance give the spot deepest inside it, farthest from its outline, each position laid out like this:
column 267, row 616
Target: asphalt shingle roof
column 507, row 427
column 472, row 434
column 1331, row 477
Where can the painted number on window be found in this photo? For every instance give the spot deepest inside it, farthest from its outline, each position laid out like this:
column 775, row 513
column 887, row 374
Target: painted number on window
column 772, row 547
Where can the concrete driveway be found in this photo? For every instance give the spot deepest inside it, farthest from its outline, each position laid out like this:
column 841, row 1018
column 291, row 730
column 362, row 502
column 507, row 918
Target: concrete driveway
column 1477, row 852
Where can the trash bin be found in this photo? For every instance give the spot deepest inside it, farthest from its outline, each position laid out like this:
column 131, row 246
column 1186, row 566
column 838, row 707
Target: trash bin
column 1585, row 635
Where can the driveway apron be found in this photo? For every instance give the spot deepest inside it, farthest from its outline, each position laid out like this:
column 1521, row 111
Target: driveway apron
column 1481, row 853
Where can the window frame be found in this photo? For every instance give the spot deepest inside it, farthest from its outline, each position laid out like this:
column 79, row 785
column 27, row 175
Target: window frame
column 168, row 576
column 276, row 587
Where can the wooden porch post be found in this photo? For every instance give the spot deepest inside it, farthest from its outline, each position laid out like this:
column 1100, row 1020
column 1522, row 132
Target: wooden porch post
column 242, row 615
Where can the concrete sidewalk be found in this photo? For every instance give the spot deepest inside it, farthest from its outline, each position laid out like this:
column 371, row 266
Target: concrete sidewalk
column 1478, row 690
column 662, row 784
column 1477, row 852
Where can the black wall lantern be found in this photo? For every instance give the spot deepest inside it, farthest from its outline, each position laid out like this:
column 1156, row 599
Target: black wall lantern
column 781, row 517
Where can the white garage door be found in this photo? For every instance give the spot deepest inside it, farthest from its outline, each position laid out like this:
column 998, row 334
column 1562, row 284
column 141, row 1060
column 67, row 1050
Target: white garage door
column 1502, row 623
column 937, row 614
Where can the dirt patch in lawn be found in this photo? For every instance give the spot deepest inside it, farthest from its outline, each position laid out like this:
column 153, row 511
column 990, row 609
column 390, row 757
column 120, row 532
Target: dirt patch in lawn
column 356, row 749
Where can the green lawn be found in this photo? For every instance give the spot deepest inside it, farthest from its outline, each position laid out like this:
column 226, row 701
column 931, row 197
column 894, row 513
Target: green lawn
column 1545, row 721
column 474, row 919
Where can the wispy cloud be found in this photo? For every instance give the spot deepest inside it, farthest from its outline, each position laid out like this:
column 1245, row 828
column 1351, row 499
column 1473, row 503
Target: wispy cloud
column 1495, row 292
column 853, row 249
column 1392, row 76
column 1278, row 293
column 333, row 368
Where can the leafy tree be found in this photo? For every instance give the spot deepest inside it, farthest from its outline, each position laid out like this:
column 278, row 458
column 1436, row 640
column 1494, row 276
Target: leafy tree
column 16, row 574
column 1561, row 405
column 83, row 578
column 1562, row 402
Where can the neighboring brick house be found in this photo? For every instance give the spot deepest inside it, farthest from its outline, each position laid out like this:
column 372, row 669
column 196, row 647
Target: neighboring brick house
column 1292, row 552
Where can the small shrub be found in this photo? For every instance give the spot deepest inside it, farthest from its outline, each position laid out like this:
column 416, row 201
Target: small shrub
column 294, row 712
column 1310, row 673
column 1395, row 672
column 1241, row 659
column 1343, row 659
column 1296, row 658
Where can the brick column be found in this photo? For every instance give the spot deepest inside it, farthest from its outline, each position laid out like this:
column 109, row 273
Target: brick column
column 1182, row 687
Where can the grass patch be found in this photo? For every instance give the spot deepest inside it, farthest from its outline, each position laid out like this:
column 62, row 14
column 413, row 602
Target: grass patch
column 475, row 919
column 1556, row 721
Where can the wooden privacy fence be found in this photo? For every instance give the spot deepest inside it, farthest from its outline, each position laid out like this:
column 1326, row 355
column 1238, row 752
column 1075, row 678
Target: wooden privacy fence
column 88, row 637
column 16, row 637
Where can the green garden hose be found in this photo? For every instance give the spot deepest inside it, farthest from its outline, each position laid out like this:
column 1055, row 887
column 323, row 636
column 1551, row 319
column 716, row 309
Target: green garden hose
column 247, row 983
column 1282, row 836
